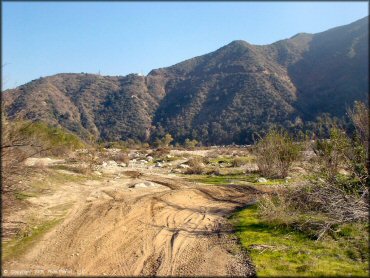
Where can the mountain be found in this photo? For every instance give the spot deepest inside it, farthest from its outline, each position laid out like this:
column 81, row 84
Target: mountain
column 222, row 97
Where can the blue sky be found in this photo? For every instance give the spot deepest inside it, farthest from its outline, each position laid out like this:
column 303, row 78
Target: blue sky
column 117, row 38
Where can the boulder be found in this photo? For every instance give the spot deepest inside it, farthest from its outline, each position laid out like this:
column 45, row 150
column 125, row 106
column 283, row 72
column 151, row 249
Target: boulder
column 261, row 180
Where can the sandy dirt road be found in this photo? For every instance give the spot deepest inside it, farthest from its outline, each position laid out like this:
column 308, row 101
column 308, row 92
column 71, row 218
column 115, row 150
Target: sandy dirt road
column 153, row 225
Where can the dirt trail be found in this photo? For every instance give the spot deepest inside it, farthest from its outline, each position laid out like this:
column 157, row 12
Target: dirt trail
column 164, row 227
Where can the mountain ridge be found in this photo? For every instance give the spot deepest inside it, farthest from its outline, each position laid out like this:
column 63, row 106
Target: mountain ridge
column 221, row 97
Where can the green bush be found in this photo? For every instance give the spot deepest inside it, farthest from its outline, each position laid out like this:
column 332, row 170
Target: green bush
column 58, row 141
column 337, row 153
column 332, row 152
column 275, row 153
column 190, row 144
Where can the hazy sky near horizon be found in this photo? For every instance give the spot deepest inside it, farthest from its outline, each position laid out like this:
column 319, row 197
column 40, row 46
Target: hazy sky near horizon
column 118, row 38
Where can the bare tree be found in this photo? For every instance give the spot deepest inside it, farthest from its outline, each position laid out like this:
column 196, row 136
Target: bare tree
column 16, row 147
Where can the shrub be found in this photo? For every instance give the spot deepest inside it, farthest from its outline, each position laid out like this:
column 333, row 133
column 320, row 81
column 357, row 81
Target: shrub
column 359, row 116
column 121, row 157
column 275, row 153
column 329, row 198
column 237, row 162
column 160, row 152
column 196, row 166
column 195, row 161
column 340, row 152
column 215, row 171
column 58, row 140
column 190, row 144
column 164, row 142
column 195, row 170
column 332, row 152
column 313, row 208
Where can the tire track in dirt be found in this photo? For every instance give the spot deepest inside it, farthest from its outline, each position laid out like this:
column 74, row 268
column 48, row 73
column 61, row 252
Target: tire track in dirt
column 178, row 228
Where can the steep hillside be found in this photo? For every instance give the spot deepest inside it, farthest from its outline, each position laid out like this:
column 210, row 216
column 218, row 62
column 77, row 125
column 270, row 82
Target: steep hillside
column 222, row 97
column 110, row 108
column 334, row 72
column 225, row 94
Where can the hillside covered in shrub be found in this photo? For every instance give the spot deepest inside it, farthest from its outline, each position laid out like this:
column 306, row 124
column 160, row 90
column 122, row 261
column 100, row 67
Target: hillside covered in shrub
column 223, row 97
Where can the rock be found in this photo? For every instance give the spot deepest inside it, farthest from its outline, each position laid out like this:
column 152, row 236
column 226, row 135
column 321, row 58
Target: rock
column 143, row 161
column 97, row 173
column 123, row 164
column 149, row 158
column 142, row 185
column 177, row 171
column 344, row 172
column 261, row 180
column 158, row 164
column 112, row 163
column 184, row 166
column 104, row 164
column 169, row 156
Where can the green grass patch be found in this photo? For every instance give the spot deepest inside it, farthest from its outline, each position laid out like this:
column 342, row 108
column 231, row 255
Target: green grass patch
column 16, row 247
column 23, row 195
column 221, row 159
column 232, row 178
column 278, row 251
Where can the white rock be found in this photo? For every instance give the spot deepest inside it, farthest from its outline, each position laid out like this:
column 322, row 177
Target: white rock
column 112, row 163
column 143, row 185
column 149, row 158
column 261, row 180
column 184, row 166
